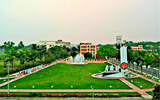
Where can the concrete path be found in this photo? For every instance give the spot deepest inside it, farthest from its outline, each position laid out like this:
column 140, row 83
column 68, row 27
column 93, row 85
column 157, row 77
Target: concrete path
column 140, row 91
column 133, row 86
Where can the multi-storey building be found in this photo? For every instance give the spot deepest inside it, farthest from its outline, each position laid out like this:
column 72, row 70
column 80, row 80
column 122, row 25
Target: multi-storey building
column 139, row 47
column 88, row 47
column 91, row 48
column 50, row 44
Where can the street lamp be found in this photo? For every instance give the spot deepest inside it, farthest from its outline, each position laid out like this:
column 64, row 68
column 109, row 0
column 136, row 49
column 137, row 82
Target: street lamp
column 8, row 77
column 93, row 90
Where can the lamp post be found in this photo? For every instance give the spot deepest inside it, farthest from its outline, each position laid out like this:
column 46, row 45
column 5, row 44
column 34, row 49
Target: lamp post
column 8, row 77
column 93, row 90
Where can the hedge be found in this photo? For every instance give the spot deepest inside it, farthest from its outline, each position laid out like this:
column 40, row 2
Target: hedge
column 66, row 95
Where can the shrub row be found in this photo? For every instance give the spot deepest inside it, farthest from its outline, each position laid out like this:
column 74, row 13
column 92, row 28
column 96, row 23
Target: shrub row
column 66, row 95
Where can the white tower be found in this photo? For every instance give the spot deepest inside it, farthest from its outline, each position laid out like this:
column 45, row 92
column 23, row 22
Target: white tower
column 118, row 39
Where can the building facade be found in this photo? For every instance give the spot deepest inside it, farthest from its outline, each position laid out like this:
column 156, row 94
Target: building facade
column 50, row 44
column 139, row 47
column 88, row 47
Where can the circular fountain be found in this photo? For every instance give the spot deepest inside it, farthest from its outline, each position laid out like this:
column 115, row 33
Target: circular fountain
column 79, row 59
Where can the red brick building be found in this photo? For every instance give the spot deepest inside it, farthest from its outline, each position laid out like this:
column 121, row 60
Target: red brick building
column 91, row 48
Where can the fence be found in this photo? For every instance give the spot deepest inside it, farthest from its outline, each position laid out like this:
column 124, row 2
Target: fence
column 151, row 71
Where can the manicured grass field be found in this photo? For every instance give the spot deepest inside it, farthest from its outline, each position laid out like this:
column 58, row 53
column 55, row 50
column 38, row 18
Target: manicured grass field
column 119, row 93
column 150, row 93
column 63, row 76
column 141, row 82
column 4, row 80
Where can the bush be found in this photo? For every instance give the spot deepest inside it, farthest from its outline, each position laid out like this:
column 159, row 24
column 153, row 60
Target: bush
column 156, row 92
column 33, row 94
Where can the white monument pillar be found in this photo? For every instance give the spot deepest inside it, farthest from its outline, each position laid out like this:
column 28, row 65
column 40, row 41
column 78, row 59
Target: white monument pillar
column 123, row 55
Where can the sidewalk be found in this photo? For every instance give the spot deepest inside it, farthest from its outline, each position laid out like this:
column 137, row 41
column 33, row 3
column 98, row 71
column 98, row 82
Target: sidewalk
column 135, row 88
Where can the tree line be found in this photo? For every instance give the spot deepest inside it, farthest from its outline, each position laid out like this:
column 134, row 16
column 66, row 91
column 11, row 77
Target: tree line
column 139, row 57
column 33, row 55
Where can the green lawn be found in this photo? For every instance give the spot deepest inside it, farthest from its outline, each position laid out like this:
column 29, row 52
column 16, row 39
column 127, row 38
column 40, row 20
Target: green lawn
column 4, row 80
column 119, row 93
column 141, row 82
column 63, row 76
column 150, row 93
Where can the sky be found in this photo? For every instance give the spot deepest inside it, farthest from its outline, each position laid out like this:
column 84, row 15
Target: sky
column 75, row 21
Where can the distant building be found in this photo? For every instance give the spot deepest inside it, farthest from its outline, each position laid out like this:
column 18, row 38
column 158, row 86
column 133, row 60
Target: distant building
column 118, row 39
column 74, row 45
column 124, row 41
column 91, row 48
column 139, row 47
column 50, row 44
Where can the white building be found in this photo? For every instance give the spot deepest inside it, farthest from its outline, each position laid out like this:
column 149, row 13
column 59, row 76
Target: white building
column 50, row 44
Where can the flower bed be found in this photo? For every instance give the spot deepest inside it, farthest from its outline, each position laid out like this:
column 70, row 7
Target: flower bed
column 66, row 95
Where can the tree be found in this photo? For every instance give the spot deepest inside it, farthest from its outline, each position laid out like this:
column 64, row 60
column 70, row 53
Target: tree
column 73, row 54
column 20, row 45
column 21, row 57
column 42, row 52
column 74, row 49
column 141, row 55
column 7, row 46
column 78, row 47
column 87, row 55
column 107, row 50
column 10, row 51
column 156, row 92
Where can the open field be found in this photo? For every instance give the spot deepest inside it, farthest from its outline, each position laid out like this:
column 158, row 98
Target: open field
column 63, row 76
column 119, row 93
column 4, row 80
column 141, row 82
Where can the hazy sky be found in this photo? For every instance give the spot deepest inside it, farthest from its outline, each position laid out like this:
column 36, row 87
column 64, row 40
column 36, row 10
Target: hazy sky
column 95, row 21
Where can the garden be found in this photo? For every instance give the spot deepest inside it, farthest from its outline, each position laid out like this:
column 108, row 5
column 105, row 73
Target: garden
column 64, row 76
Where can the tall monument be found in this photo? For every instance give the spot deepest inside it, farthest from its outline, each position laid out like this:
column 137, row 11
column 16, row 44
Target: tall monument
column 124, row 62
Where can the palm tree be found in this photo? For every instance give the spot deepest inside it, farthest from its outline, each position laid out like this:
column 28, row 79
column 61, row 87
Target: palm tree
column 137, row 58
column 42, row 52
column 21, row 57
column 10, row 51
column 130, row 56
column 141, row 54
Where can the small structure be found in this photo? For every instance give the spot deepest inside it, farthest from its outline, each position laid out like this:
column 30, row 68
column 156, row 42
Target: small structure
column 40, row 66
column 29, row 70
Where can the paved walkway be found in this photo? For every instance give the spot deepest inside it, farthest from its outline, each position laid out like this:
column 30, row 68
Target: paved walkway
column 140, row 91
